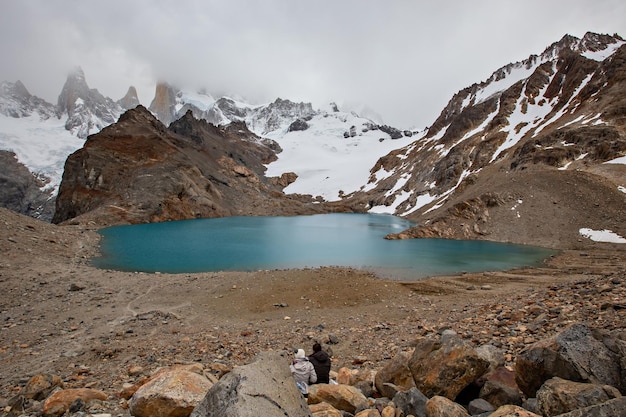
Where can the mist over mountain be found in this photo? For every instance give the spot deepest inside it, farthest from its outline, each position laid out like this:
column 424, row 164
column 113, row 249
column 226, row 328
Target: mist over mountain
column 553, row 119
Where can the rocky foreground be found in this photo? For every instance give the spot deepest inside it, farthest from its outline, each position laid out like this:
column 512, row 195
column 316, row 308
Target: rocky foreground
column 68, row 326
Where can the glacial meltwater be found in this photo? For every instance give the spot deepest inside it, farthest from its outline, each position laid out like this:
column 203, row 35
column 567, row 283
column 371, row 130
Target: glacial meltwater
column 255, row 243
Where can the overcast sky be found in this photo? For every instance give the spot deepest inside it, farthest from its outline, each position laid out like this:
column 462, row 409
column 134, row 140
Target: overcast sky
column 404, row 59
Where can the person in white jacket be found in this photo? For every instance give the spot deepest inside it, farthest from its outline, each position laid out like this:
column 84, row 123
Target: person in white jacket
column 303, row 372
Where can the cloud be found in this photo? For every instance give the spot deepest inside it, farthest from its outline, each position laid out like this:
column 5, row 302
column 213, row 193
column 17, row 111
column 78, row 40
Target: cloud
column 404, row 59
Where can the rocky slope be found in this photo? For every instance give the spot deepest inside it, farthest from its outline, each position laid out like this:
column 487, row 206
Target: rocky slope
column 43, row 139
column 530, row 145
column 21, row 191
column 111, row 330
column 86, row 109
column 138, row 171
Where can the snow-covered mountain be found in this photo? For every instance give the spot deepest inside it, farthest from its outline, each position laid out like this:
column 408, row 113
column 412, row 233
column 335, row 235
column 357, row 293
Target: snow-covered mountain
column 554, row 122
column 330, row 151
column 561, row 110
column 569, row 85
column 42, row 135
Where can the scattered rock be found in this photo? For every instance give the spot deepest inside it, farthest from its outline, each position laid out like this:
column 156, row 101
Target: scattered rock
column 574, row 354
column 59, row 402
column 172, row 391
column 558, row 396
column 263, row 388
column 446, row 366
column 342, row 397
column 439, row 406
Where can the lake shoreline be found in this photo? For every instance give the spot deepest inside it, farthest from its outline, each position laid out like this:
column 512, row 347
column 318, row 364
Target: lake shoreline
column 61, row 315
column 350, row 240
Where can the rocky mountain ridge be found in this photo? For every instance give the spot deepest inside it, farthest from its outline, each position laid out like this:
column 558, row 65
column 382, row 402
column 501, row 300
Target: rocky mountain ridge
column 81, row 111
column 531, row 143
column 546, row 122
column 139, row 171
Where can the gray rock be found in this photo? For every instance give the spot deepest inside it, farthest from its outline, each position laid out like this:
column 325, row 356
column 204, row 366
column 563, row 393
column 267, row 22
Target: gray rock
column 500, row 394
column 492, row 354
column 558, row 396
column 411, row 402
column 611, row 408
column 574, row 354
column 262, row 388
column 480, row 406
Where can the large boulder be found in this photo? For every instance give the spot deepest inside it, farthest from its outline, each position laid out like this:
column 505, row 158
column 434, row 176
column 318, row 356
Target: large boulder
column 411, row 402
column 609, row 408
column 446, row 366
column 263, row 388
column 324, row 410
column 170, row 392
column 576, row 354
column 40, row 386
column 342, row 397
column 498, row 394
column 499, row 388
column 512, row 411
column 439, row 406
column 395, row 372
column 558, row 396
column 59, row 402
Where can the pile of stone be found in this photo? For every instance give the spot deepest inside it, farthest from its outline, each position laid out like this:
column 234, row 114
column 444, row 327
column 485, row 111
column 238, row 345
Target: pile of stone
column 579, row 372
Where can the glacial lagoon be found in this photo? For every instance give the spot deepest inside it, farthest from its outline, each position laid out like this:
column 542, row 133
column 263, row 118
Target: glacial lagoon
column 259, row 243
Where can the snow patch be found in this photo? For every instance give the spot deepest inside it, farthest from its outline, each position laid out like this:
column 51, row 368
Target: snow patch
column 603, row 54
column 620, row 160
column 327, row 164
column 601, row 235
column 563, row 110
column 515, row 75
column 41, row 145
column 526, row 116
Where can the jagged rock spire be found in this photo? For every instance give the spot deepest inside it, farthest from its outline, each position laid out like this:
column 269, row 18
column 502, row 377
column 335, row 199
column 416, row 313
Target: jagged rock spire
column 130, row 100
column 164, row 102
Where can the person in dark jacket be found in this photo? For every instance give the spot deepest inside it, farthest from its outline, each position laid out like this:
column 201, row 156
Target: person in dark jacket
column 321, row 363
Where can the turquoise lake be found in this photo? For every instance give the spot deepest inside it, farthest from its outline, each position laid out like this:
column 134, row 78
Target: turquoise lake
column 256, row 243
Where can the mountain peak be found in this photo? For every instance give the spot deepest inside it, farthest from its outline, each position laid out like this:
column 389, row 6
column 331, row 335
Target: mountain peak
column 590, row 42
column 16, row 101
column 75, row 87
column 88, row 111
column 163, row 104
column 130, row 100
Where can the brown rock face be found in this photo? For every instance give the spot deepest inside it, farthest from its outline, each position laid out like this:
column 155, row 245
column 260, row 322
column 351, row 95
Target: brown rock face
column 163, row 103
column 395, row 372
column 445, row 367
column 59, row 402
column 138, row 171
column 21, row 191
column 172, row 392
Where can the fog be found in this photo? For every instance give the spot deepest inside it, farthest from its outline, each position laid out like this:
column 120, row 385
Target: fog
column 403, row 59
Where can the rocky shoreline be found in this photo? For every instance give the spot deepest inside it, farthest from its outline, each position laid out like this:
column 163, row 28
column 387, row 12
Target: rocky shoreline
column 106, row 330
